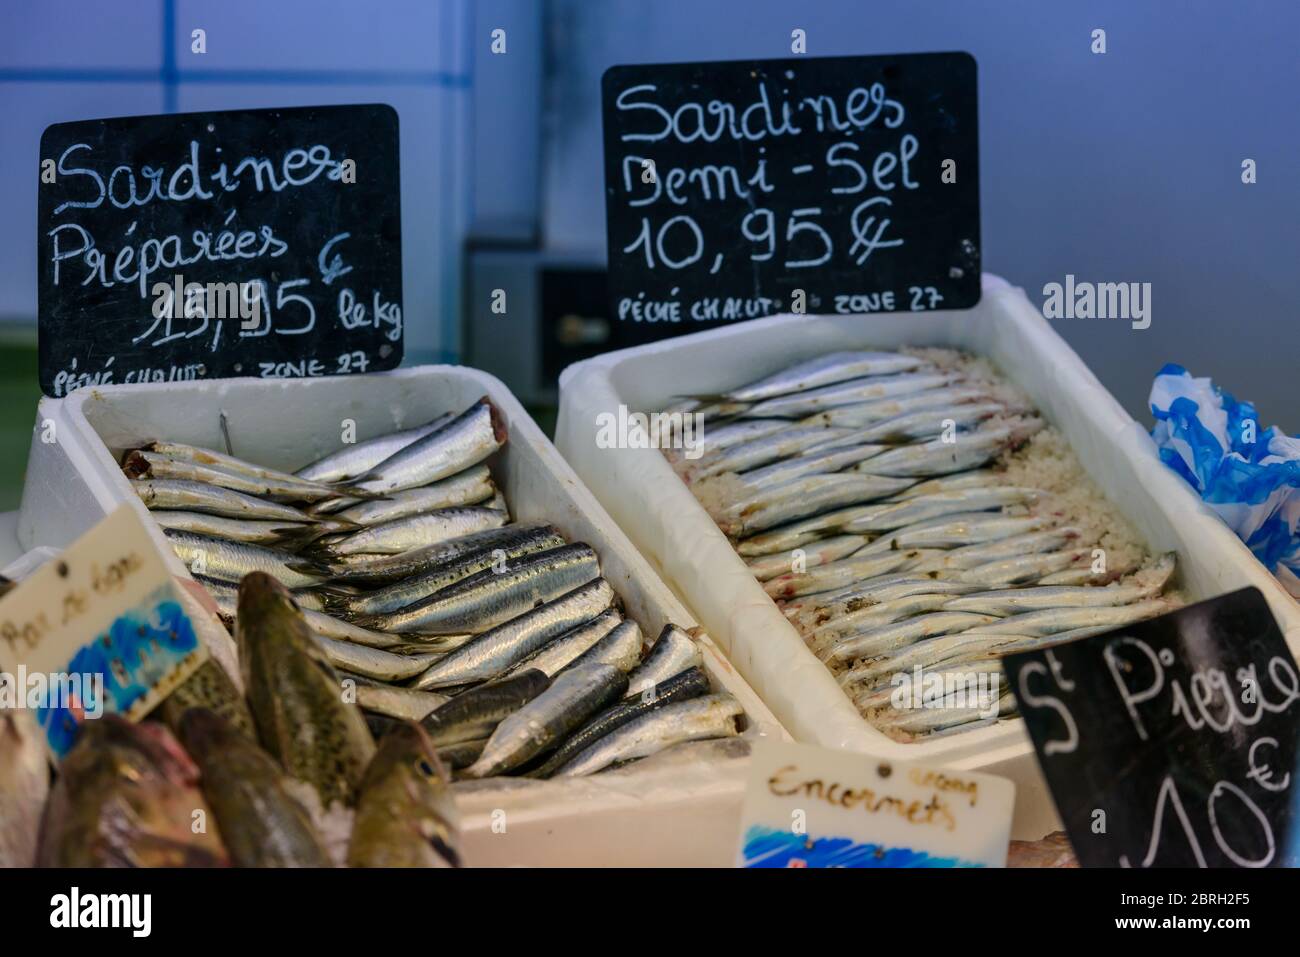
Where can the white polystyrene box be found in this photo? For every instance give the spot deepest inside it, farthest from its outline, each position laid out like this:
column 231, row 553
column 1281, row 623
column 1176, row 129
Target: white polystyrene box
column 680, row 808
column 661, row 516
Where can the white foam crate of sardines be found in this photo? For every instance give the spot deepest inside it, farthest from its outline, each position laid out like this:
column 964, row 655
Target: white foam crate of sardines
column 676, row 808
column 662, row 516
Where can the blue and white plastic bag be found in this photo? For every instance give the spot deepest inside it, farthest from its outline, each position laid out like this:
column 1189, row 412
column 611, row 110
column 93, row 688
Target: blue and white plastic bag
column 1251, row 477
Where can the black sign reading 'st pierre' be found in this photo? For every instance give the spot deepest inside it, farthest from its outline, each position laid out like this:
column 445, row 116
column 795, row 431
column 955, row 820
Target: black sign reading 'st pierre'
column 249, row 242
column 835, row 185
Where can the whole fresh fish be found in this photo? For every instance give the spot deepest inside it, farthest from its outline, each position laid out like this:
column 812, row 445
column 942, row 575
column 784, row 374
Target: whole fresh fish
column 883, row 613
column 1085, row 575
column 126, row 796
column 937, row 457
column 327, row 626
column 928, row 423
column 927, row 653
column 232, row 561
column 718, row 437
column 975, row 478
column 150, row 465
column 24, row 784
column 690, row 683
column 494, row 651
column 620, row 648
column 925, row 720
column 813, row 462
column 1022, row 568
column 823, row 370
column 764, row 450
column 472, row 715
column 822, row 607
column 416, row 531
column 295, row 694
column 212, row 500
column 360, row 457
column 487, row 599
column 575, row 694
column 885, row 638
column 464, row 441
column 226, row 595
column 406, row 816
column 861, row 415
column 280, row 484
column 210, row 688
column 882, row 697
column 800, row 533
column 850, row 392
column 955, row 531
column 805, row 496
column 233, row 529
column 819, row 552
column 563, row 651
column 672, row 653
column 710, row 716
column 1013, row 601
column 970, row 556
column 420, row 586
column 895, row 515
column 375, row 662
column 471, row 487
column 1053, row 620
column 837, row 574
column 405, row 704
column 260, row 823
column 511, row 540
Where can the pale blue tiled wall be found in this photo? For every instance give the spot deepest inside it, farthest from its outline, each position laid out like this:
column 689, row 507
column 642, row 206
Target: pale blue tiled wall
column 77, row 59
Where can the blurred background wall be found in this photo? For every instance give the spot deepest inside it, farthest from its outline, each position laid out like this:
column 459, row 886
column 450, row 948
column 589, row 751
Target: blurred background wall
column 1118, row 167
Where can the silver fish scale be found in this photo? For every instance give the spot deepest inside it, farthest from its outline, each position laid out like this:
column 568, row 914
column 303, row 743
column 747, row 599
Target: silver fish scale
column 496, row 650
column 487, row 599
column 231, row 561
column 352, row 461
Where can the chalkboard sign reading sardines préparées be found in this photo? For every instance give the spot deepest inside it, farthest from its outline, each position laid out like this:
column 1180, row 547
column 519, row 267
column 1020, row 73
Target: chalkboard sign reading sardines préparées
column 242, row 243
column 743, row 189
column 1172, row 742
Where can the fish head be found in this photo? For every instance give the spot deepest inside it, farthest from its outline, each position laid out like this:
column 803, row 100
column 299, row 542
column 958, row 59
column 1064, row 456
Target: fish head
column 409, row 748
column 261, row 596
column 203, row 732
column 127, row 794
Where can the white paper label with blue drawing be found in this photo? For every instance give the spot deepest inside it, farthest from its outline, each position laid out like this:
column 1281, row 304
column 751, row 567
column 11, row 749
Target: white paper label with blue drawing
column 807, row 806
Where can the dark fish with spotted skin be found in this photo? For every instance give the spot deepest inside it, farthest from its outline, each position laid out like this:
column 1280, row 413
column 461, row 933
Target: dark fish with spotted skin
column 473, row 715
column 406, row 816
column 261, row 823
column 209, row 687
column 680, row 687
column 126, row 796
column 296, row 695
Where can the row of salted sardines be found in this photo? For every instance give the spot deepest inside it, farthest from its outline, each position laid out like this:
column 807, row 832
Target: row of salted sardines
column 402, row 556
column 862, row 490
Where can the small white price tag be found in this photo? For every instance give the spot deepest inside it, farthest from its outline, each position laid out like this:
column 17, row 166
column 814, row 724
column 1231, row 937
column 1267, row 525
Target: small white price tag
column 807, row 806
column 100, row 628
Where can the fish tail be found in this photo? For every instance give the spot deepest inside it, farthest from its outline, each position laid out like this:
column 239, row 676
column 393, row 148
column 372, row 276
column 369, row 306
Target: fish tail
column 353, row 491
column 295, row 536
column 309, row 566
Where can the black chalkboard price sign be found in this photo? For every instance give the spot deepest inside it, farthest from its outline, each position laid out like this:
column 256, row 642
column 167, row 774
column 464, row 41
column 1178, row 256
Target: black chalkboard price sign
column 242, row 243
column 836, row 185
column 1172, row 743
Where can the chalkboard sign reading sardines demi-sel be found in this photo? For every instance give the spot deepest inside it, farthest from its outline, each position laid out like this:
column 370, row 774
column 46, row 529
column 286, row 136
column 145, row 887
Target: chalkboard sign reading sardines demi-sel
column 836, row 185
column 1172, row 743
column 242, row 243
